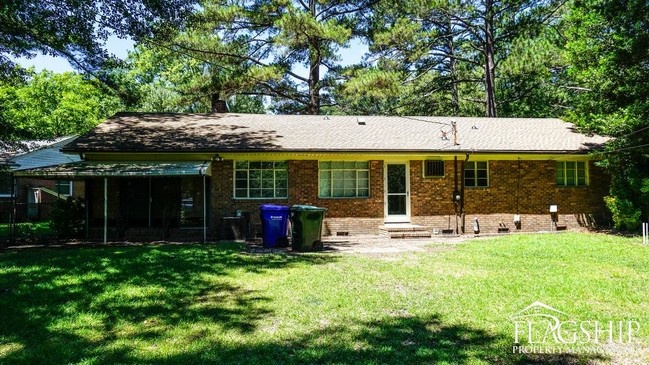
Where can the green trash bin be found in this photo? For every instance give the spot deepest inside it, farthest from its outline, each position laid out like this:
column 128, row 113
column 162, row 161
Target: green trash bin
column 306, row 227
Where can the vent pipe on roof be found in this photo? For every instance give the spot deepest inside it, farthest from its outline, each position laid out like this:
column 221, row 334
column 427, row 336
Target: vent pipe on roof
column 218, row 105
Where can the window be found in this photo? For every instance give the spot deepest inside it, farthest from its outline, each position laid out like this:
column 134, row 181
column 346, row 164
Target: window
column 344, row 179
column 6, row 185
column 255, row 179
column 476, row 174
column 63, row 187
column 433, row 168
column 571, row 173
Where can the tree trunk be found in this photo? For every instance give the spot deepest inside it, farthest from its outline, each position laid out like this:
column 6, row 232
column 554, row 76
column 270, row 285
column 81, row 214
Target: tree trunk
column 455, row 95
column 489, row 66
column 315, row 59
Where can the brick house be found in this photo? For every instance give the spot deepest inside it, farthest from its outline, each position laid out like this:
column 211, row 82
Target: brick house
column 34, row 197
column 178, row 175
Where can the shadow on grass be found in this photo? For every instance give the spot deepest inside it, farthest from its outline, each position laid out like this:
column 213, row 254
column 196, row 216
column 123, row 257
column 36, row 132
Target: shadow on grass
column 49, row 296
column 392, row 340
column 114, row 305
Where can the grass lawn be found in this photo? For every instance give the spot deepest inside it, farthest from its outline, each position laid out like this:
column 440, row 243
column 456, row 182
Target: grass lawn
column 217, row 304
column 28, row 231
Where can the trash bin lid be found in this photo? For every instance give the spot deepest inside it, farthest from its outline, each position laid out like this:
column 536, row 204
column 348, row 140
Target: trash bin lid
column 272, row 207
column 297, row 208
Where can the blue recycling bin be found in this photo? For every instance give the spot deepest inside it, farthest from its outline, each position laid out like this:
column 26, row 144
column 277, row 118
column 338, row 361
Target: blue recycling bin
column 274, row 225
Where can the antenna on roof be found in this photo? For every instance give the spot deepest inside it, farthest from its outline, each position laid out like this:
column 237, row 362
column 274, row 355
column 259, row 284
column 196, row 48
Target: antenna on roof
column 474, row 126
column 454, row 125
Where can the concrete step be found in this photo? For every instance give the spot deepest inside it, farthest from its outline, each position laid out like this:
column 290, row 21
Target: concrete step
column 405, row 235
column 404, row 231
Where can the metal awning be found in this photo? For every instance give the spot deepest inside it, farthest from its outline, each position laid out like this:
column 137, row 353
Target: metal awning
column 120, row 169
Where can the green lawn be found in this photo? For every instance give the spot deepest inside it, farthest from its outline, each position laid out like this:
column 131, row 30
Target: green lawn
column 28, row 232
column 215, row 303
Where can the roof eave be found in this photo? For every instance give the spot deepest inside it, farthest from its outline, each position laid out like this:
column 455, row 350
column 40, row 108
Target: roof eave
column 335, row 150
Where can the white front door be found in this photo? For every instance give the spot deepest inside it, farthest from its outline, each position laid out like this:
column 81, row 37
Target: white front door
column 397, row 192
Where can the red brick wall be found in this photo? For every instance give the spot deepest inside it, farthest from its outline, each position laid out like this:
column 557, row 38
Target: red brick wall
column 303, row 189
column 527, row 188
column 431, row 196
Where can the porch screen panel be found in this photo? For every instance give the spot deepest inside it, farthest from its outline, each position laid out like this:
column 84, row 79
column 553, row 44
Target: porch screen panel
column 344, row 179
column 261, row 179
column 191, row 203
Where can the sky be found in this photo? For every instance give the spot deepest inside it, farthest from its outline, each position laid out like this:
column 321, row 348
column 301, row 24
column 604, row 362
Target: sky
column 116, row 46
column 119, row 47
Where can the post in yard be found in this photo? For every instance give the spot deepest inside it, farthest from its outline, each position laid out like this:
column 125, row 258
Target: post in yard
column 645, row 233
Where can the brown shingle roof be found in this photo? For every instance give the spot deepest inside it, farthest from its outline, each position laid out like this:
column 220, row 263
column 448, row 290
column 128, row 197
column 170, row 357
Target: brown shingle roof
column 142, row 132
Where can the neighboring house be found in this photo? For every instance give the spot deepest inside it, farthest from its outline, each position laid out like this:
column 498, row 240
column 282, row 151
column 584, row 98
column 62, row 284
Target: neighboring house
column 35, row 197
column 163, row 173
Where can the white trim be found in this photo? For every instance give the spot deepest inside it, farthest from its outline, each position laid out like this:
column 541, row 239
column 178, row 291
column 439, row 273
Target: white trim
column 396, row 218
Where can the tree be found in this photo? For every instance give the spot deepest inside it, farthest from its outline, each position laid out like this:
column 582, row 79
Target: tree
column 608, row 50
column 450, row 51
column 49, row 105
column 77, row 29
column 258, row 47
column 167, row 81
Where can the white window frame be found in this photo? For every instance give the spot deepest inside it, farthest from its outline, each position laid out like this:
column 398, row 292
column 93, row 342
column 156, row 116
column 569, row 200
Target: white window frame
column 274, row 169
column 565, row 174
column 434, row 176
column 356, row 179
column 475, row 170
column 58, row 182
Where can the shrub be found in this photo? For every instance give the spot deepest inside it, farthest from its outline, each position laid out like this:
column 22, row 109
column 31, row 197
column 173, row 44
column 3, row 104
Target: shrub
column 68, row 218
column 625, row 215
